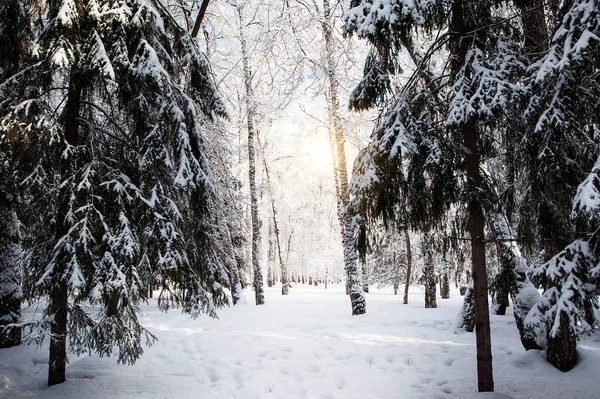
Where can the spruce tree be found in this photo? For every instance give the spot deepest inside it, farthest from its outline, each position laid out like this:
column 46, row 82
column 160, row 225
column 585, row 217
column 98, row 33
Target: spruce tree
column 109, row 115
column 14, row 35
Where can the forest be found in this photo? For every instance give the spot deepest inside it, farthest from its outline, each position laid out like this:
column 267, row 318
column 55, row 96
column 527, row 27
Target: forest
column 261, row 198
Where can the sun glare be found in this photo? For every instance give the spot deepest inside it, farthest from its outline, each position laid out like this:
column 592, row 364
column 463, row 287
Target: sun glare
column 319, row 154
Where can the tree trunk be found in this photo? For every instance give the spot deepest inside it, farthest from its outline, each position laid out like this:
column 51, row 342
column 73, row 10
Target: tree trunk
column 466, row 19
column 234, row 273
column 514, row 278
column 396, row 289
column 430, row 280
column 466, row 317
column 365, row 276
column 480, row 292
column 535, row 30
column 200, row 17
column 445, row 294
column 408, row 266
column 10, row 271
column 112, row 307
column 59, row 292
column 283, row 266
column 259, row 295
column 562, row 348
column 336, row 137
column 58, row 333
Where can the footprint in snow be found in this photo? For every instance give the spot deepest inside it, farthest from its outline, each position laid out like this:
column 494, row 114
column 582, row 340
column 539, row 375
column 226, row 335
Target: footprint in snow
column 214, row 375
column 340, row 383
column 314, row 369
column 448, row 362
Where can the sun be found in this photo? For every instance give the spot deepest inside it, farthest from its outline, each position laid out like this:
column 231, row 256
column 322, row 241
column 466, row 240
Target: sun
column 318, row 153
column 320, row 157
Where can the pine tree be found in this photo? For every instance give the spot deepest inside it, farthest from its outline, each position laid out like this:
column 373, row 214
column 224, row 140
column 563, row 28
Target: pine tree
column 114, row 169
column 14, row 34
column 416, row 147
column 562, row 112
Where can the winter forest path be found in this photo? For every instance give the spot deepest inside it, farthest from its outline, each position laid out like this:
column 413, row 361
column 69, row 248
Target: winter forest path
column 307, row 345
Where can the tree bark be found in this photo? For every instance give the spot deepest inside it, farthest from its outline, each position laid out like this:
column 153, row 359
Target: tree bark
column 408, row 265
column 200, row 18
column 430, row 280
column 562, row 348
column 445, row 294
column 259, row 295
column 365, row 276
column 466, row 317
column 283, row 266
column 535, row 30
column 336, row 136
column 59, row 292
column 467, row 18
column 480, row 291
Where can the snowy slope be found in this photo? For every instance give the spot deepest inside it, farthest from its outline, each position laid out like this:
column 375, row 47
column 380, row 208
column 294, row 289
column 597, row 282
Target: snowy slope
column 307, row 345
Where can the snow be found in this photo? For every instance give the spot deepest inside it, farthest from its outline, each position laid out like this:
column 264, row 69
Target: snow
column 307, row 345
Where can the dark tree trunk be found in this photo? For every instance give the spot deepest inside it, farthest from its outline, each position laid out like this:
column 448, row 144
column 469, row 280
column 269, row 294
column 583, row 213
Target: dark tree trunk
column 430, row 279
column 476, row 225
column 58, row 333
column 112, row 308
column 200, row 18
column 535, row 30
column 562, row 348
column 396, row 288
column 59, row 292
column 445, row 291
column 467, row 18
column 408, row 266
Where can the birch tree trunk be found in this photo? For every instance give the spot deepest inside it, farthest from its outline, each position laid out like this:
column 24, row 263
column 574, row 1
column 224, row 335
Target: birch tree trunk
column 283, row 266
column 259, row 295
column 336, row 137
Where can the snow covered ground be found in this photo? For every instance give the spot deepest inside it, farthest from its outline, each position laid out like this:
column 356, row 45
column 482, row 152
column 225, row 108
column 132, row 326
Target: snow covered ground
column 307, row 345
